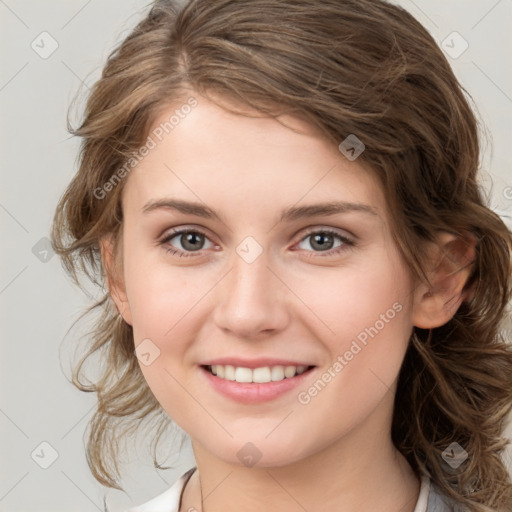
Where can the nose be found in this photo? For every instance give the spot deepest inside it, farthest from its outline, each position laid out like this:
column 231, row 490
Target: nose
column 252, row 301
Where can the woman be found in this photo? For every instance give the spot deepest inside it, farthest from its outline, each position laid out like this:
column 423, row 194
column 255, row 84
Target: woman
column 302, row 273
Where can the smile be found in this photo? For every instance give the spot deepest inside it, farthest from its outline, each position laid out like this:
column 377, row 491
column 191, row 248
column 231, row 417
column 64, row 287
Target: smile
column 257, row 375
column 254, row 385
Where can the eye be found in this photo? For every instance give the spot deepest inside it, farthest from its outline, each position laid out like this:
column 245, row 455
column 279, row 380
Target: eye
column 191, row 240
column 323, row 240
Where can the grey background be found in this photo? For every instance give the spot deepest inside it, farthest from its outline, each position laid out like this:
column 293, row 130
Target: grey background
column 38, row 303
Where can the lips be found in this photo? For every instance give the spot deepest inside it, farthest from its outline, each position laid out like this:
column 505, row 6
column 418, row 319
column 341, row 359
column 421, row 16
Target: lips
column 253, row 381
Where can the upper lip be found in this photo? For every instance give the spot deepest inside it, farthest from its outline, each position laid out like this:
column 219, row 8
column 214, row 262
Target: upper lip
column 253, row 363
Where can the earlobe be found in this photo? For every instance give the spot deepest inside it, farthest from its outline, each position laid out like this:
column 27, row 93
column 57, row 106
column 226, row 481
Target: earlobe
column 436, row 303
column 114, row 277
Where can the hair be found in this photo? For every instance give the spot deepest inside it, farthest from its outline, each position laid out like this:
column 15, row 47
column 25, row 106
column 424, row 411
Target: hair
column 362, row 67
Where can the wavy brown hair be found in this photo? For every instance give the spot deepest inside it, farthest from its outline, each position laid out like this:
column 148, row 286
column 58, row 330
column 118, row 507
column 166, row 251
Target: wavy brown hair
column 363, row 67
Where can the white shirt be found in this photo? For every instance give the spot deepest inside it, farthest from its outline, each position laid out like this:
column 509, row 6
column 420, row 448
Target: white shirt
column 169, row 501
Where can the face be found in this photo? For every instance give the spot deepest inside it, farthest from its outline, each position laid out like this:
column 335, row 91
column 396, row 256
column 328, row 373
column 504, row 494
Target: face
column 254, row 272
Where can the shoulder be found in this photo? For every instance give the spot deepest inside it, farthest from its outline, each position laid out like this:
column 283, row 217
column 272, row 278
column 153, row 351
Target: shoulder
column 433, row 499
column 168, row 501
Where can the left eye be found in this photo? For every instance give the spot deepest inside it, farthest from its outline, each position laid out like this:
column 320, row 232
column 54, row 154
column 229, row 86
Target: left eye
column 323, row 241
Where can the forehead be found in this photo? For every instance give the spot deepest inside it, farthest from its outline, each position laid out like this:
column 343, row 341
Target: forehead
column 250, row 161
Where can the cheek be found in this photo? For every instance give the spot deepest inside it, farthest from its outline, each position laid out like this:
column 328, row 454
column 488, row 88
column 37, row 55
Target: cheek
column 350, row 300
column 363, row 319
column 162, row 302
column 159, row 295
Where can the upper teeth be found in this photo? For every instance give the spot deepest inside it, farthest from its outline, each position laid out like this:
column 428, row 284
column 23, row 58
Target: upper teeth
column 260, row 375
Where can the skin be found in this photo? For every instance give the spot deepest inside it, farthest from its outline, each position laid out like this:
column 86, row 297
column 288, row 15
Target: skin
column 292, row 301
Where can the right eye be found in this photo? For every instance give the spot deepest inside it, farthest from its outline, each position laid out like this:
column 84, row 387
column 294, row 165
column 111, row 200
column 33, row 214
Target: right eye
column 189, row 239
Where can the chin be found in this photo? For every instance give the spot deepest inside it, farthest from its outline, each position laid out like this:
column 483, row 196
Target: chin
column 260, row 454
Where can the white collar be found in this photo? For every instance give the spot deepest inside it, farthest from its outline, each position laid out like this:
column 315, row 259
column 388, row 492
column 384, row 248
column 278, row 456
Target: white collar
column 172, row 496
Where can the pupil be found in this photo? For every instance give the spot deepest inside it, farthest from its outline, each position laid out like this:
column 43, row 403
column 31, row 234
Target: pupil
column 189, row 239
column 322, row 245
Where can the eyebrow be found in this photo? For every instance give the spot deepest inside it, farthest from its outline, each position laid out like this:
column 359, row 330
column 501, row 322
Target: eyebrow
column 289, row 214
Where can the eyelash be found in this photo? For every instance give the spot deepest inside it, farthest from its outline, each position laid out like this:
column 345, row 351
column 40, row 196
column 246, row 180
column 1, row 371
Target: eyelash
column 347, row 243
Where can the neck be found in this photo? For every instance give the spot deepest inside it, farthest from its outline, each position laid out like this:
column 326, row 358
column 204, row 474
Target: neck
column 363, row 471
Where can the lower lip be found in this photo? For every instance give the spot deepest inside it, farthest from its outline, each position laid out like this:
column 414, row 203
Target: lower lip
column 253, row 392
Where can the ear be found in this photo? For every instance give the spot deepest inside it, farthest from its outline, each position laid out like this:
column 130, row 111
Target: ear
column 114, row 274
column 452, row 259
